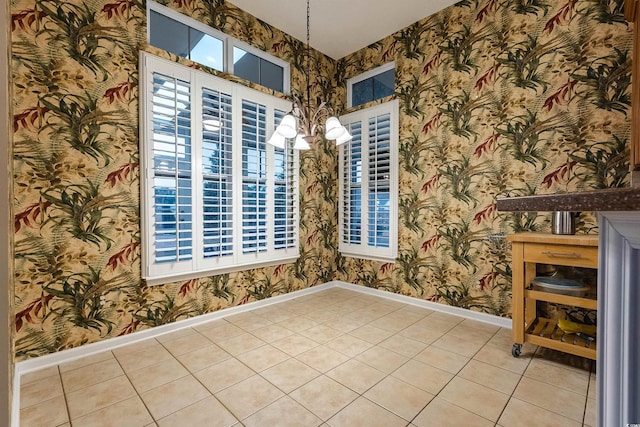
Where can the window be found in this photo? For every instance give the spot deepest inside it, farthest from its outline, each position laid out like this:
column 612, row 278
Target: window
column 258, row 70
column 368, row 208
column 215, row 196
column 186, row 37
column 372, row 85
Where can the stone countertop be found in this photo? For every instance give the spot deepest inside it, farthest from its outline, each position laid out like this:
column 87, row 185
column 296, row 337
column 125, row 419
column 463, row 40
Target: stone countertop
column 610, row 199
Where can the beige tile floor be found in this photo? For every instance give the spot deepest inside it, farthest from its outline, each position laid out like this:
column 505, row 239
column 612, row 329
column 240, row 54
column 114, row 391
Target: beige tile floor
column 333, row 358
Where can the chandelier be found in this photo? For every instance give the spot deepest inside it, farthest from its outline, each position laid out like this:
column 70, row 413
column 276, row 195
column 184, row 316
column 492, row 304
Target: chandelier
column 303, row 123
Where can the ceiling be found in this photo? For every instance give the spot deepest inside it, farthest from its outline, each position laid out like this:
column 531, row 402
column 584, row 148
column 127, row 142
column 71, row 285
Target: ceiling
column 341, row 27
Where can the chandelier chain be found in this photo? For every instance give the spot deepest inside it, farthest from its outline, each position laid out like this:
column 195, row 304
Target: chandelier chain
column 308, row 56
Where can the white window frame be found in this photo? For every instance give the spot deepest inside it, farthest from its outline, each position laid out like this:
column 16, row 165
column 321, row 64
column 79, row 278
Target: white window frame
column 364, row 76
column 286, row 74
column 228, row 42
column 363, row 249
column 198, row 266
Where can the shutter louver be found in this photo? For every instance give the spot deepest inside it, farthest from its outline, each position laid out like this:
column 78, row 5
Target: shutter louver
column 171, row 164
column 352, row 196
column 379, row 174
column 217, row 175
column 254, row 178
column 285, row 184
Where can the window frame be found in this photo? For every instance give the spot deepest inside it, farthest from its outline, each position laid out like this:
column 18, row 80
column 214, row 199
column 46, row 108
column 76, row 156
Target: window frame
column 286, row 74
column 228, row 43
column 364, row 76
column 364, row 249
column 199, row 265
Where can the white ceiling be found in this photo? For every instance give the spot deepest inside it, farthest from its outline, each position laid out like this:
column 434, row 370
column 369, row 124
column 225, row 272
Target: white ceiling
column 341, row 27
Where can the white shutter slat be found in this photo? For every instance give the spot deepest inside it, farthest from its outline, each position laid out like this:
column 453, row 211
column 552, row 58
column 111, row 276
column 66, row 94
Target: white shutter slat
column 217, row 173
column 171, row 164
column 379, row 190
column 254, row 176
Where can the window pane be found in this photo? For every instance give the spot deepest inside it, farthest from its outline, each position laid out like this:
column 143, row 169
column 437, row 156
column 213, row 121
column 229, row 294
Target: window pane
column 246, row 65
column 168, row 34
column 384, row 84
column 205, row 49
column 362, row 92
column 271, row 75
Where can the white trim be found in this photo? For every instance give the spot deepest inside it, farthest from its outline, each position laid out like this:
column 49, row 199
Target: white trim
column 159, row 280
column 65, row 356
column 364, row 76
column 502, row 322
column 113, row 343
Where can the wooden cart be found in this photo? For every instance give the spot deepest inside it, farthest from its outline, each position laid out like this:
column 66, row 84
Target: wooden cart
column 530, row 249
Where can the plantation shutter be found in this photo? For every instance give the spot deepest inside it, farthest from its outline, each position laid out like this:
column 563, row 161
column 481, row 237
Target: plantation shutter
column 368, row 205
column 217, row 173
column 352, row 188
column 378, row 180
column 216, row 197
column 172, row 216
column 254, row 177
column 285, row 186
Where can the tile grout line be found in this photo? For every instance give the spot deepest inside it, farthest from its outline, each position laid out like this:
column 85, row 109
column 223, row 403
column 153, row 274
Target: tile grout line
column 64, row 395
column 134, row 388
column 192, row 374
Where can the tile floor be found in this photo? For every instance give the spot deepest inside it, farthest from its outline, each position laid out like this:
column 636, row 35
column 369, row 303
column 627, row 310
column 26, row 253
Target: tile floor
column 333, row 358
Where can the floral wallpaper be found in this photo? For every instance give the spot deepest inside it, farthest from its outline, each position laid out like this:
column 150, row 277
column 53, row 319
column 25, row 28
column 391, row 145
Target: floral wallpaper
column 76, row 184
column 513, row 97
column 518, row 96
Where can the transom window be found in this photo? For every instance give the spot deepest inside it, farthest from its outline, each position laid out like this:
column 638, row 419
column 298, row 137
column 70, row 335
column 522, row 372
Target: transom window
column 370, row 86
column 215, row 196
column 368, row 171
column 189, row 38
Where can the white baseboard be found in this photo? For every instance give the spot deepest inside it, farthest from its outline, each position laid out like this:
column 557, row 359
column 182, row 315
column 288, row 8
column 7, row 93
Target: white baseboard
column 502, row 322
column 65, row 356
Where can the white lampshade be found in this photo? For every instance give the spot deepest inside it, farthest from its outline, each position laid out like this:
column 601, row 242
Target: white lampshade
column 333, row 128
column 277, row 140
column 288, row 127
column 301, row 143
column 346, row 136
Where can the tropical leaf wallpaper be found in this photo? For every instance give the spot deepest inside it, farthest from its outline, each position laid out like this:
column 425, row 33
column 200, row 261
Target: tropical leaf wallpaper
column 519, row 96
column 76, row 163
column 515, row 97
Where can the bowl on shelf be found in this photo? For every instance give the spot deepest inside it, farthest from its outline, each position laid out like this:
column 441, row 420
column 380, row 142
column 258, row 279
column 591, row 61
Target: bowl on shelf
column 558, row 285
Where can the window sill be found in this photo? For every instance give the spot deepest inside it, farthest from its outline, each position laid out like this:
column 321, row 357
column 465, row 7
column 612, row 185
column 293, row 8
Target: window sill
column 389, row 259
column 172, row 278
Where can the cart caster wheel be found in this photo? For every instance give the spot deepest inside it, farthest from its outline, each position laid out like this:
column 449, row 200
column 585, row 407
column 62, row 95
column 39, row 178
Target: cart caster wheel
column 516, row 350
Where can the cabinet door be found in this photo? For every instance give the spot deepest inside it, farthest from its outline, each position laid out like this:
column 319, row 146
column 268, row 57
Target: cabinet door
column 632, row 15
